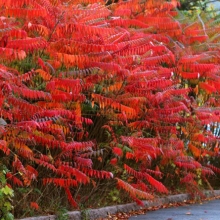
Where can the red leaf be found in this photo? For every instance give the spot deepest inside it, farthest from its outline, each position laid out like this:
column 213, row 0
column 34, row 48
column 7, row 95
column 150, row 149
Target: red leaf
column 34, row 205
column 113, row 161
column 117, row 151
column 70, row 197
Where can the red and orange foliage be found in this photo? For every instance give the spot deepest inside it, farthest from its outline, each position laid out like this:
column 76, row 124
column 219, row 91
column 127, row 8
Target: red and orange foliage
column 150, row 76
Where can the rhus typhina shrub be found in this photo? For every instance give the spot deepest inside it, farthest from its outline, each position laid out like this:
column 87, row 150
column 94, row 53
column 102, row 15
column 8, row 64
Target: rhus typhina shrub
column 96, row 98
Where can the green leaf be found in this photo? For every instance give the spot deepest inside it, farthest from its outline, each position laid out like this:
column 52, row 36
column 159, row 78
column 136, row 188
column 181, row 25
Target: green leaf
column 200, row 182
column 2, row 179
column 9, row 216
column 8, row 205
column 37, row 191
column 127, row 149
column 7, row 191
column 114, row 198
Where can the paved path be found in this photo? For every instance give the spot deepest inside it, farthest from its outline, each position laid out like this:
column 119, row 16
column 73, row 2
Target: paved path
column 206, row 211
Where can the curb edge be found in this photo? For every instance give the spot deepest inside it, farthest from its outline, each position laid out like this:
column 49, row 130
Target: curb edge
column 103, row 212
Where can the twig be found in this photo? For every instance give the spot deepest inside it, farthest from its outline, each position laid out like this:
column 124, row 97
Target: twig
column 203, row 25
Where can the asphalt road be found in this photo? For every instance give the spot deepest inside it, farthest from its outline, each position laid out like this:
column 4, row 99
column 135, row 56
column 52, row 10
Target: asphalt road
column 205, row 211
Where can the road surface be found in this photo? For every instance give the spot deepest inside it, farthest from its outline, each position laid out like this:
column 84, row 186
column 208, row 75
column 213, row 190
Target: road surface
column 205, row 211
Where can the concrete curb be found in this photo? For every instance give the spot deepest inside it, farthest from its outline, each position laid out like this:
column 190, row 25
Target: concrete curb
column 93, row 214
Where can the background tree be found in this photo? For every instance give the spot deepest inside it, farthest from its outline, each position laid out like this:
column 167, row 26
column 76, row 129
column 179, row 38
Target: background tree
column 187, row 5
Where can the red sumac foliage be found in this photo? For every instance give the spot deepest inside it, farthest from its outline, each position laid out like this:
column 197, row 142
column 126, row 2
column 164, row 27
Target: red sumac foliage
column 86, row 89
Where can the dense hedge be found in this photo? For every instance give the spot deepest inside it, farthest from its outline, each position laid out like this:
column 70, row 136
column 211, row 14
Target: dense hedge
column 105, row 104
